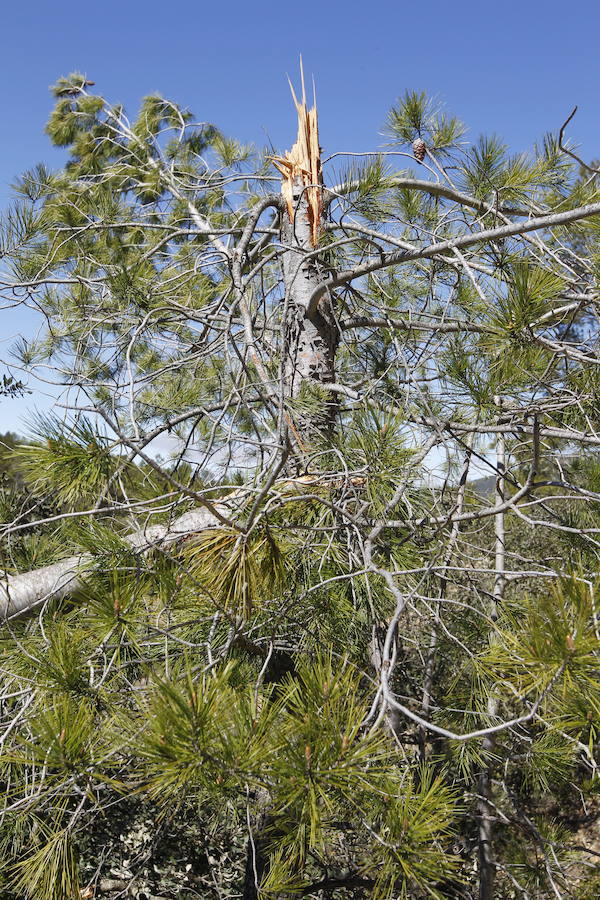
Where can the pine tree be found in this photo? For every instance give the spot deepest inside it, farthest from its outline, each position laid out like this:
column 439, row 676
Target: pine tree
column 285, row 660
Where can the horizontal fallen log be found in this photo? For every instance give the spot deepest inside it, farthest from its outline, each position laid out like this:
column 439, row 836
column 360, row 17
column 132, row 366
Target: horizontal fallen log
column 22, row 595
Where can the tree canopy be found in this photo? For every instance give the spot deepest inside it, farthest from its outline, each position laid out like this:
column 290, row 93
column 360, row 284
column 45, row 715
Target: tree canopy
column 264, row 632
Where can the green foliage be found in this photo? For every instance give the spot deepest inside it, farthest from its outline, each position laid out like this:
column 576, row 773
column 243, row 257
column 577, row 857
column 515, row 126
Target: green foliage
column 368, row 185
column 9, row 387
column 492, row 174
column 51, row 870
column 206, row 734
column 588, row 887
column 63, row 738
column 530, row 291
column 374, row 444
column 238, row 571
column 549, row 643
column 411, row 833
column 325, row 758
column 549, row 761
column 417, row 116
column 222, row 695
column 72, row 461
column 462, row 367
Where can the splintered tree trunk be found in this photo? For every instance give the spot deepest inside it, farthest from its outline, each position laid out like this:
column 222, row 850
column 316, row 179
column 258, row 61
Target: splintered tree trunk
column 311, row 338
column 311, row 333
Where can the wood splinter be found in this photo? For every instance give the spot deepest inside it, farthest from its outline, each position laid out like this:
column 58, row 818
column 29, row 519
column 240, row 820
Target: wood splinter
column 301, row 166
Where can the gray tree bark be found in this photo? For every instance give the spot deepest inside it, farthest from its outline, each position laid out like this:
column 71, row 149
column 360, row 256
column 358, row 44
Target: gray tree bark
column 22, row 595
column 312, row 335
column 487, row 865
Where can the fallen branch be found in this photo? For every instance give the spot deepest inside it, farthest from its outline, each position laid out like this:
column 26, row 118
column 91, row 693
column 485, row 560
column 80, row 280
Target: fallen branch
column 21, row 595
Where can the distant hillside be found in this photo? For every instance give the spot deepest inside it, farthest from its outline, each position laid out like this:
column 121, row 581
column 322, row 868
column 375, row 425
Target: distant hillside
column 484, row 486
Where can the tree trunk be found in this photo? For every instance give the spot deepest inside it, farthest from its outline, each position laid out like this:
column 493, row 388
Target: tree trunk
column 257, row 852
column 430, row 666
column 311, row 334
column 487, row 865
column 311, row 337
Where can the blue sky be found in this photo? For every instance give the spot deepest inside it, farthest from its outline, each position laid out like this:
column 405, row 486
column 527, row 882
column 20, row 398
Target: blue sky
column 514, row 68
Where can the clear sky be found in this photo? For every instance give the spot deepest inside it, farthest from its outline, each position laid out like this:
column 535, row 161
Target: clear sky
column 515, row 68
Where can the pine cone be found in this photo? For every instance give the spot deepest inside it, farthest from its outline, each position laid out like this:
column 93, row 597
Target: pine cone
column 419, row 149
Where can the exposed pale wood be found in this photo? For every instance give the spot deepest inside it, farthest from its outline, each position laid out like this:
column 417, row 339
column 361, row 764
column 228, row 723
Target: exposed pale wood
column 302, row 164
